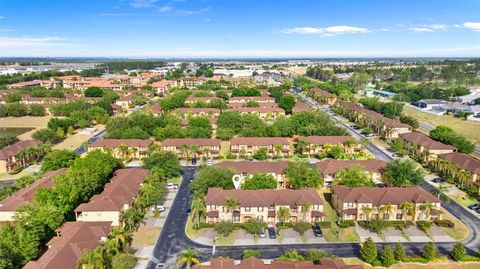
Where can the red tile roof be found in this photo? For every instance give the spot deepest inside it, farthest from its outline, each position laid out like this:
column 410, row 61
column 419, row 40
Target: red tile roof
column 256, row 263
column 257, row 109
column 218, row 196
column 424, row 141
column 382, row 196
column 25, row 195
column 248, row 167
column 251, row 98
column 329, row 166
column 11, row 150
column 121, row 190
column 64, row 250
column 115, row 143
column 300, row 106
column 259, row 141
column 322, row 140
column 318, row 91
column 260, row 104
column 464, row 161
column 196, row 110
column 375, row 116
column 175, row 142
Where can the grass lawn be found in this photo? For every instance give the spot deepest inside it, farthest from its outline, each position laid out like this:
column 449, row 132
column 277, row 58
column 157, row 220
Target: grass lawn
column 467, row 128
column 459, row 232
column 145, row 236
column 175, row 180
column 189, row 231
column 226, row 241
column 463, row 199
column 441, row 263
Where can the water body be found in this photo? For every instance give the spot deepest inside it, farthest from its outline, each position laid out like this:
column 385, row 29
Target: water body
column 16, row 131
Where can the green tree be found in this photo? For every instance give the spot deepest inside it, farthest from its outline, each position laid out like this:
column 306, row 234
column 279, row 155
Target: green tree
column 250, row 253
column 387, row 257
column 187, row 258
column 458, row 252
column 58, row 159
column 403, row 173
column 93, row 92
column 260, row 181
column 302, row 175
column 261, row 154
column 368, row 251
column 70, row 131
column 301, row 227
column 210, row 177
column 254, row 226
column 287, row 103
column 123, row 261
column 224, row 228
column 399, row 252
column 284, row 215
column 291, row 255
column 37, row 110
column 314, row 255
column 449, row 136
column 46, row 136
column 354, row 176
column 166, row 160
column 91, row 259
column 429, row 251
column 409, row 120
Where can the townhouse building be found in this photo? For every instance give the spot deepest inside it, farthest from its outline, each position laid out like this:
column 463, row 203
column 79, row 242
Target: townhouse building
column 244, row 99
column 161, row 87
column 156, row 109
column 125, row 102
column 35, row 83
column 188, row 82
column 260, row 104
column 185, row 112
column 9, row 205
column 123, row 148
column 423, row 147
column 301, row 107
column 323, row 96
column 302, row 205
column 200, row 99
column 117, row 196
column 389, row 203
column 464, row 168
column 256, row 263
column 329, row 168
column 247, row 169
column 265, row 113
column 15, row 155
column 313, row 145
column 66, row 247
column 248, row 146
column 193, row 147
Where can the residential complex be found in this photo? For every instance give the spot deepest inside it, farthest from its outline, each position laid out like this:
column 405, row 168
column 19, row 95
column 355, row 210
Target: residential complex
column 267, row 205
column 389, row 203
column 256, row 263
column 186, row 112
column 329, row 168
column 123, row 148
column 249, row 146
column 117, row 196
column 463, row 166
column 193, row 147
column 267, row 113
column 312, row 145
column 323, row 96
column 16, row 156
column 423, row 147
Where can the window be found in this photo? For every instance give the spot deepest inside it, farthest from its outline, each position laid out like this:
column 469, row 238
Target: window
column 248, row 209
column 399, row 216
column 386, row 216
column 260, row 209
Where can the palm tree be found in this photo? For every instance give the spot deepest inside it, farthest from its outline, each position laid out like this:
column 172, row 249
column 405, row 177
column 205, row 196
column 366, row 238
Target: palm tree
column 232, row 204
column 367, row 211
column 183, row 150
column 278, row 149
column 193, row 150
column 123, row 151
column 198, row 208
column 283, row 214
column 134, row 151
column 108, row 151
column 130, row 218
column 306, row 207
column 408, row 208
column 427, row 209
column 91, row 259
column 302, row 145
column 121, row 238
column 188, row 258
column 387, row 209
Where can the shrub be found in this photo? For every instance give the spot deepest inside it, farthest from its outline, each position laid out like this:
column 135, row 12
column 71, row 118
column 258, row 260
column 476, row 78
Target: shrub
column 346, row 223
column 444, row 223
column 284, row 225
column 231, row 156
column 225, row 228
column 387, row 258
column 46, row 136
column 458, row 252
column 301, row 227
column 324, row 224
column 250, row 253
column 429, row 251
column 368, row 251
column 377, row 226
column 424, row 225
column 254, row 226
column 314, row 255
column 399, row 252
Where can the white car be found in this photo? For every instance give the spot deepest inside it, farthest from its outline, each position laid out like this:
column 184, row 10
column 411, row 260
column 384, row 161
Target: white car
column 171, row 186
column 262, row 234
column 159, row 208
column 209, row 162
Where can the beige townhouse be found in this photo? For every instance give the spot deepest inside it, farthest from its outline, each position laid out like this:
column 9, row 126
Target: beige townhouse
column 264, row 113
column 185, row 112
column 123, row 148
column 423, row 147
column 117, row 196
column 464, row 168
column 389, row 203
column 329, row 168
column 323, row 96
column 16, row 155
column 193, row 147
column 248, row 146
column 303, row 205
column 258, row 99
column 313, row 145
column 247, row 169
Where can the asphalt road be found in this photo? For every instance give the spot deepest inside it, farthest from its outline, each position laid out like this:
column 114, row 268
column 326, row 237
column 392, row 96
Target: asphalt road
column 92, row 139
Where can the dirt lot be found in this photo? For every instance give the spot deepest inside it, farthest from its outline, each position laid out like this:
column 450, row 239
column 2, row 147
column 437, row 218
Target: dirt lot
column 34, row 122
column 470, row 129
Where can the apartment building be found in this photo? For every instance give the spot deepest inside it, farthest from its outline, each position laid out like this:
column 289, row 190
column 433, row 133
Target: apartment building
column 188, row 82
column 423, row 147
column 301, row 107
column 35, row 83
column 185, row 112
column 9, row 205
column 389, row 203
column 329, row 168
column 260, row 104
column 193, row 147
column 465, row 168
column 156, row 109
column 66, row 248
column 256, row 263
column 312, row 145
column 258, row 99
column 13, row 156
column 247, row 169
column 265, row 113
column 117, row 196
column 200, row 99
column 248, row 146
column 161, row 87
column 303, row 205
column 123, row 148
column 323, row 96
column 125, row 102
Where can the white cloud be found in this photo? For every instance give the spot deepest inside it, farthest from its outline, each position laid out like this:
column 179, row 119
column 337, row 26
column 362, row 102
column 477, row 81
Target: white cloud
column 428, row 28
column 438, row 26
column 143, row 3
column 32, row 41
column 165, row 9
column 1, row 17
column 420, row 29
column 475, row 26
column 327, row 31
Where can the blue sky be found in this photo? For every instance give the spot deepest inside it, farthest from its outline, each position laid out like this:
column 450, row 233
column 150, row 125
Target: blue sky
column 240, row 28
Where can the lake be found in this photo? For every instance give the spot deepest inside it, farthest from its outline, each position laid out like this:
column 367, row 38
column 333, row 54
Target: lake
column 16, row 131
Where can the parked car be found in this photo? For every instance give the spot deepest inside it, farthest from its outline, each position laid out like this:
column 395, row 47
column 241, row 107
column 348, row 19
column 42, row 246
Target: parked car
column 369, row 135
column 396, row 154
column 172, row 186
column 262, row 234
column 478, row 210
column 474, row 206
column 317, row 231
column 188, row 211
column 194, row 161
column 209, row 162
column 355, row 127
column 271, row 233
column 437, row 180
column 159, row 208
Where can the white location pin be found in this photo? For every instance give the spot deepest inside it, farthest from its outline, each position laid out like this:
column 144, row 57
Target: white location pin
column 237, row 179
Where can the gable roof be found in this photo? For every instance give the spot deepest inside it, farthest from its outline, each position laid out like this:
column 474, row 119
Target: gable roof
column 10, row 151
column 174, row 142
column 424, row 141
column 464, row 161
column 248, row 167
column 318, row 91
column 382, row 196
column 330, row 166
column 322, row 140
column 218, row 196
column 256, row 263
column 115, row 143
column 259, row 141
column 121, row 189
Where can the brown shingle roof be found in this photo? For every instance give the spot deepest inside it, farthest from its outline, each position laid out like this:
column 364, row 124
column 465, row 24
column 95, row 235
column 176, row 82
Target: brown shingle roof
column 381, row 196
column 25, row 195
column 464, row 161
column 115, row 143
column 255, row 167
column 300, row 106
column 196, row 110
column 256, row 263
column 318, row 91
column 257, row 109
column 251, row 98
column 11, row 150
column 375, row 116
column 175, row 142
column 424, row 141
column 330, row 166
column 156, row 109
column 259, row 141
column 260, row 104
column 218, row 196
column 322, row 140
column 121, row 189
column 64, row 250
